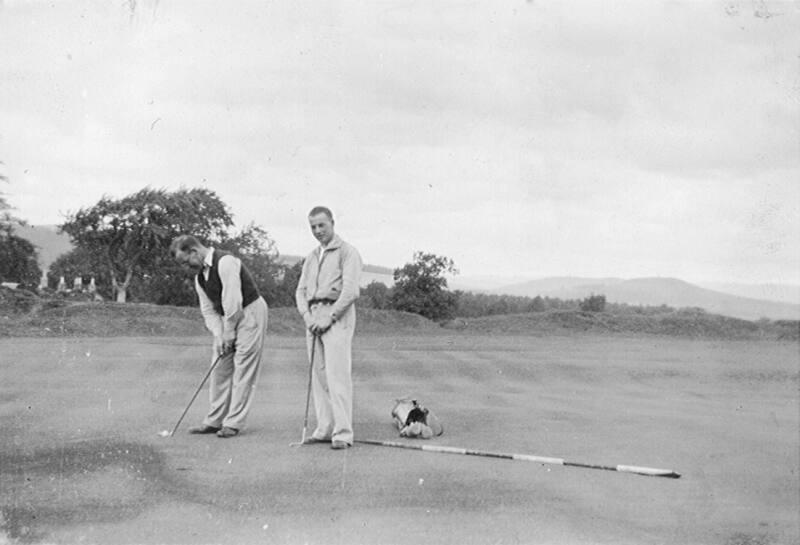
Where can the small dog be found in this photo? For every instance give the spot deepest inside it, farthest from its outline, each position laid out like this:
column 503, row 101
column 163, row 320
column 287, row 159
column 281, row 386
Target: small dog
column 414, row 420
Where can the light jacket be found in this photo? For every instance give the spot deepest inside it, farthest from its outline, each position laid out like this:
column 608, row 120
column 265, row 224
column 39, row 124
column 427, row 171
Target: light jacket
column 335, row 276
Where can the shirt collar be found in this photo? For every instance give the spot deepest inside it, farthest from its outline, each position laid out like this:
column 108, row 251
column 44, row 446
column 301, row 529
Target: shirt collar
column 209, row 260
column 335, row 242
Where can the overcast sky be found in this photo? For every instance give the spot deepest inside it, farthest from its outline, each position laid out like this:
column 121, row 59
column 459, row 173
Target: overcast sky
column 520, row 138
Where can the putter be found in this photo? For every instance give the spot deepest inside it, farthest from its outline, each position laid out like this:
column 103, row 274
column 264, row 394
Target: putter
column 166, row 433
column 308, row 394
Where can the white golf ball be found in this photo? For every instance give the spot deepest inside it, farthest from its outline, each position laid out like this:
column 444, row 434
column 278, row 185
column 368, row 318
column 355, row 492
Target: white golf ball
column 164, row 433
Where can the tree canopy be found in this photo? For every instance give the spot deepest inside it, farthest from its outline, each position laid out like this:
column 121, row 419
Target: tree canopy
column 18, row 257
column 421, row 287
column 131, row 236
column 124, row 243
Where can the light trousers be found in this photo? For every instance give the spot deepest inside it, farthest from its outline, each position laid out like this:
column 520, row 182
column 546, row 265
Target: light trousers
column 332, row 382
column 234, row 378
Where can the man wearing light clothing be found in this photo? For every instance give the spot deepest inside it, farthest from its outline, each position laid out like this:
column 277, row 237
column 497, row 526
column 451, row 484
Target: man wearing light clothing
column 236, row 315
column 326, row 293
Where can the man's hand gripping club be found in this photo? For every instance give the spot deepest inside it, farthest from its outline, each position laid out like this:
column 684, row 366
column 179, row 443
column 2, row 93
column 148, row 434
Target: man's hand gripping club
column 319, row 324
column 222, row 347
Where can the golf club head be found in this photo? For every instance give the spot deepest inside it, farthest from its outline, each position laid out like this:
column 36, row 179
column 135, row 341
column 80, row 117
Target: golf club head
column 165, row 433
column 302, row 440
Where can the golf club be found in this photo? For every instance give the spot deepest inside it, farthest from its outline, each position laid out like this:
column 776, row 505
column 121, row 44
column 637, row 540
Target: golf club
column 308, row 393
column 166, row 433
column 649, row 471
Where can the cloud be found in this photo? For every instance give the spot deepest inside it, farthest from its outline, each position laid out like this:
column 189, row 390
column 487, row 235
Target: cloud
column 553, row 137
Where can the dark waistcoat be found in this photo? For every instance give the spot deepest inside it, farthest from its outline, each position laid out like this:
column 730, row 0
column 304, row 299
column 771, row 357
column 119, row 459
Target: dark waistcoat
column 213, row 286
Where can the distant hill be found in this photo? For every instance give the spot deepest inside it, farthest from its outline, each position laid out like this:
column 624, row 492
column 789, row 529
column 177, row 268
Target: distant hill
column 749, row 302
column 654, row 292
column 48, row 241
column 783, row 293
column 369, row 273
column 482, row 283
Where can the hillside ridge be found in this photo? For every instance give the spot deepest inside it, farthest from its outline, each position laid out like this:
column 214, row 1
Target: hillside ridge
column 652, row 291
column 656, row 291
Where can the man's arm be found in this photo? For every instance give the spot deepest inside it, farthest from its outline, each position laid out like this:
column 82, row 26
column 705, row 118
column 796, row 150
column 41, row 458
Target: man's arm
column 210, row 317
column 230, row 274
column 351, row 280
column 300, row 296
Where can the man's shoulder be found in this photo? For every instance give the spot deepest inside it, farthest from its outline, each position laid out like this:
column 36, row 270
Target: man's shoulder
column 349, row 248
column 344, row 245
column 227, row 260
column 227, row 256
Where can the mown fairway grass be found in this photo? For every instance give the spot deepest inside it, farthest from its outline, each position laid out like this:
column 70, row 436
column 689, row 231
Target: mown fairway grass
column 80, row 459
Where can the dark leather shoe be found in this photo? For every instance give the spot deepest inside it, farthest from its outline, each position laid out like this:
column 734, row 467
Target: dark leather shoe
column 315, row 441
column 227, row 432
column 203, row 429
column 339, row 445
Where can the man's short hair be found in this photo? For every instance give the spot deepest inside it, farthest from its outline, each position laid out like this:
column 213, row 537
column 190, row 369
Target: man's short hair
column 321, row 210
column 184, row 243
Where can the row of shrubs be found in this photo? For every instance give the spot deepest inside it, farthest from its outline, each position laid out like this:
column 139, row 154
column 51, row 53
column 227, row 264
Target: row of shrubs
column 675, row 323
column 30, row 310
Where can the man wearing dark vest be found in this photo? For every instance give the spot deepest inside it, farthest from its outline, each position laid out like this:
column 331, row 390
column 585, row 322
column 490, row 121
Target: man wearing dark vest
column 236, row 314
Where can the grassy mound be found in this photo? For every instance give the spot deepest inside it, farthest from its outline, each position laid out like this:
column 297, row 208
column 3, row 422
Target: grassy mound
column 24, row 314
column 61, row 317
column 680, row 323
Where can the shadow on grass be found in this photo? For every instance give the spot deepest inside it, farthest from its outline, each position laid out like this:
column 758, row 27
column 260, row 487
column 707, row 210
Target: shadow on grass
column 86, row 482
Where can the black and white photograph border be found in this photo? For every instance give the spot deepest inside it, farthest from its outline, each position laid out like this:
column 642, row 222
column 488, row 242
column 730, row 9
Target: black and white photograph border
column 565, row 232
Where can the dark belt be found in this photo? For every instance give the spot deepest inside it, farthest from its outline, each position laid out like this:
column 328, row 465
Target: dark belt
column 322, row 301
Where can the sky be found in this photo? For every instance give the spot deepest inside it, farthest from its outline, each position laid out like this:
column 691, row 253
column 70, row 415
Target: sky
column 522, row 139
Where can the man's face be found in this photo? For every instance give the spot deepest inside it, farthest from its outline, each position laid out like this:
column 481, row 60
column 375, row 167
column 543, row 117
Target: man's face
column 322, row 228
column 190, row 258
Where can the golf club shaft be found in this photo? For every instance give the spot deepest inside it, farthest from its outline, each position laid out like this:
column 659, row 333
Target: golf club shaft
column 308, row 390
column 200, row 387
column 649, row 471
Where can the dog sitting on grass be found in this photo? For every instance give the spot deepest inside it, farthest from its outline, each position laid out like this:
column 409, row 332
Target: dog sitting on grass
column 414, row 420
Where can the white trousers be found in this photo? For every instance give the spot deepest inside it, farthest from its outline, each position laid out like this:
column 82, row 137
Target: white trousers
column 234, row 378
column 332, row 382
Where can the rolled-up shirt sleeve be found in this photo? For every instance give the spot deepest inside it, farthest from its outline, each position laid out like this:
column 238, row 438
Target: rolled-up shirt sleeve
column 229, row 269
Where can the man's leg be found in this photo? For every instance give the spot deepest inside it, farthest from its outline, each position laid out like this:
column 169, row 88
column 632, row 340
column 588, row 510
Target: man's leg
column 219, row 391
column 319, row 387
column 338, row 370
column 246, row 362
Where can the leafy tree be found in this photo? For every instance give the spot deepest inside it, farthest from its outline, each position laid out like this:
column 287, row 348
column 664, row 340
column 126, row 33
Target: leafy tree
column 375, row 295
column 131, row 236
column 537, row 305
column 420, row 287
column 259, row 254
column 287, row 285
column 18, row 257
column 7, row 219
column 18, row 261
column 593, row 303
column 80, row 262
